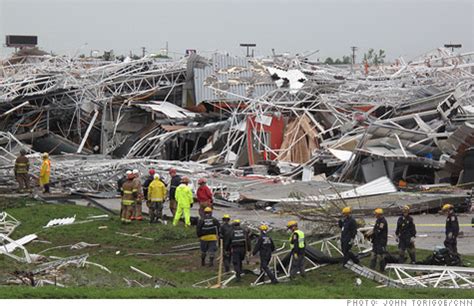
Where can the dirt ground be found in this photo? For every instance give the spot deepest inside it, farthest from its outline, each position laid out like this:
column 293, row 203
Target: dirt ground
column 430, row 227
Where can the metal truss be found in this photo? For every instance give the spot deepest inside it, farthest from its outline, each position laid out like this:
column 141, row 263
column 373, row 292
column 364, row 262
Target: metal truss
column 8, row 223
column 328, row 246
column 6, row 242
column 432, row 276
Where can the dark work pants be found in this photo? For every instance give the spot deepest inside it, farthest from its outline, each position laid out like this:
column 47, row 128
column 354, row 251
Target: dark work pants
column 46, row 188
column 451, row 244
column 238, row 255
column 346, row 250
column 404, row 245
column 264, row 261
column 227, row 259
column 297, row 263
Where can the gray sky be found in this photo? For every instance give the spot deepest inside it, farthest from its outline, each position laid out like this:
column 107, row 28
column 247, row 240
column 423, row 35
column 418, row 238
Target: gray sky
column 403, row 28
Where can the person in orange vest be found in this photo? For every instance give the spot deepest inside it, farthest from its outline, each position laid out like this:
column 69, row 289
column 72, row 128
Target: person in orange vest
column 45, row 173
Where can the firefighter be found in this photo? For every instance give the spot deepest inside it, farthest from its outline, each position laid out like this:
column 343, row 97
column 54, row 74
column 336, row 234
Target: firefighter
column 406, row 233
column 452, row 228
column 122, row 180
column 265, row 247
column 129, row 196
column 348, row 227
column 379, row 240
column 298, row 246
column 225, row 233
column 45, row 173
column 208, row 231
column 184, row 199
column 174, row 183
column 204, row 196
column 137, row 207
column 22, row 165
column 156, row 195
column 240, row 245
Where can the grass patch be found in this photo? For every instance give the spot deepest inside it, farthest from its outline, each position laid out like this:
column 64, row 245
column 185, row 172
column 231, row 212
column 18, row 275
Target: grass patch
column 91, row 282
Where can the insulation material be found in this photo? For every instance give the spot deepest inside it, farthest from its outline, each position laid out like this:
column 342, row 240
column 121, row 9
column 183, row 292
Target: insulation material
column 63, row 221
column 299, row 141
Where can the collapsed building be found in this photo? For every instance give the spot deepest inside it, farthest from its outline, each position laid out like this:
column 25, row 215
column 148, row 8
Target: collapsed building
column 321, row 130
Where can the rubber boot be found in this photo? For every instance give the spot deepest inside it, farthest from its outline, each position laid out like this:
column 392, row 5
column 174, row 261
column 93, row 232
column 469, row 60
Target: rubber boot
column 211, row 261
column 203, row 260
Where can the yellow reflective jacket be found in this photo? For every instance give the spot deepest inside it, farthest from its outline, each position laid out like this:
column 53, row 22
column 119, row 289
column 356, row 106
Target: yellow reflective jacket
column 184, row 196
column 45, row 172
column 156, row 191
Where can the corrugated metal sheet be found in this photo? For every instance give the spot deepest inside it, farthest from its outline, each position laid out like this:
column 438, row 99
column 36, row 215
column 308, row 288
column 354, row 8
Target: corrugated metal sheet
column 220, row 70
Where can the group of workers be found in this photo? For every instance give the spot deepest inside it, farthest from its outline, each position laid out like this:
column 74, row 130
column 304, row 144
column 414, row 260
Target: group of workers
column 154, row 192
column 22, row 176
column 405, row 233
column 235, row 239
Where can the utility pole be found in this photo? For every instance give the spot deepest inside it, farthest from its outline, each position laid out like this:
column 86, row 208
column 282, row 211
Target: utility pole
column 143, row 51
column 453, row 46
column 248, row 46
column 354, row 49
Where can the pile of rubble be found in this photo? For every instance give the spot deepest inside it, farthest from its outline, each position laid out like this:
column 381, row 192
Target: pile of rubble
column 322, row 133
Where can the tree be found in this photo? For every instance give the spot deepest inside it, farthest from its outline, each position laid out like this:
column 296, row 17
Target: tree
column 329, row 61
column 337, row 62
column 374, row 58
column 346, row 60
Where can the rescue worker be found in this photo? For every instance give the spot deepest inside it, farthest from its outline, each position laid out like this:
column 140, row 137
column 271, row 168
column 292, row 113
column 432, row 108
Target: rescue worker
column 452, row 228
column 297, row 246
column 265, row 247
column 406, row 233
column 225, row 233
column 45, row 173
column 129, row 196
column 137, row 207
column 207, row 230
column 348, row 227
column 184, row 199
column 240, row 245
column 146, row 184
column 22, row 166
column 204, row 196
column 174, row 183
column 379, row 240
column 156, row 194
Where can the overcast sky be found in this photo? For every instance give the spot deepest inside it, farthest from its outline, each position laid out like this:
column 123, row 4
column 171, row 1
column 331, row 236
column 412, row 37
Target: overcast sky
column 405, row 28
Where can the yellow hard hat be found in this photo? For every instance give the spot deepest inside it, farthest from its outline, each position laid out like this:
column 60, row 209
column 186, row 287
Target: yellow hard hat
column 291, row 223
column 226, row 216
column 378, row 211
column 207, row 209
column 447, row 207
column 346, row 210
column 263, row 227
column 236, row 221
column 406, row 207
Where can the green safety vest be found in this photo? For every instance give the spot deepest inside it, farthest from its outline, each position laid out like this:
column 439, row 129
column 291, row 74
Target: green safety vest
column 300, row 239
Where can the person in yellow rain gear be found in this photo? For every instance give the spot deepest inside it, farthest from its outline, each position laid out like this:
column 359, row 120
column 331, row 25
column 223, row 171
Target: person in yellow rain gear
column 129, row 193
column 184, row 198
column 156, row 196
column 45, row 173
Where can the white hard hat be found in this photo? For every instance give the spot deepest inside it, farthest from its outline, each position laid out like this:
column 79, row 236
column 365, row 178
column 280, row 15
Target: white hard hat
column 128, row 172
column 156, row 176
column 135, row 171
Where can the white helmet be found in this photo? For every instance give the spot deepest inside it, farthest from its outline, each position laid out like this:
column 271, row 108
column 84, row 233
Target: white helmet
column 135, row 171
column 156, row 176
column 128, row 172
